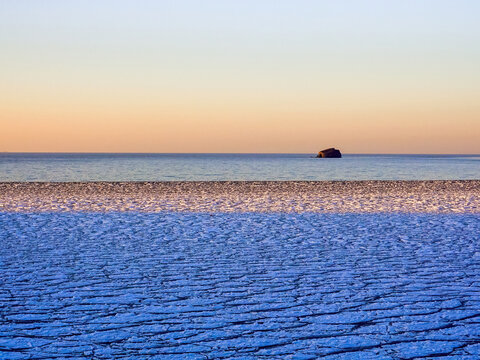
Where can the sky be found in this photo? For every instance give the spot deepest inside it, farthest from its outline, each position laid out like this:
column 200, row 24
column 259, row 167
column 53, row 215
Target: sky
column 254, row 76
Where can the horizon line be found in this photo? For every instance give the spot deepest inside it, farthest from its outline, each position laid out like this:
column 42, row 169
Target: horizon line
column 218, row 153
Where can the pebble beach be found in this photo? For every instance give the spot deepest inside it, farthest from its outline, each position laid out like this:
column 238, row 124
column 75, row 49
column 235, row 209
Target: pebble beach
column 245, row 196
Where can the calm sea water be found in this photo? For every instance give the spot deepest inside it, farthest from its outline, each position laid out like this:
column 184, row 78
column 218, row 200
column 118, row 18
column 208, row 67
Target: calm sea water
column 169, row 167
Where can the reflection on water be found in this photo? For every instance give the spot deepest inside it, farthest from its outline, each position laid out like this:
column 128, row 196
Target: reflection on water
column 169, row 167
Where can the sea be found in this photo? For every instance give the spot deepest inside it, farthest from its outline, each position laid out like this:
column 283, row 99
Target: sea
column 73, row 167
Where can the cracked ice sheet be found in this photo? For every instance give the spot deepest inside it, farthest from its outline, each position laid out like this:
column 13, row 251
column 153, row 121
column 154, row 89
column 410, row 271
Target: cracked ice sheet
column 239, row 285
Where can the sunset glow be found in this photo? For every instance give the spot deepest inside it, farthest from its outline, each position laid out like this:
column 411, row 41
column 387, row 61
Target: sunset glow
column 231, row 76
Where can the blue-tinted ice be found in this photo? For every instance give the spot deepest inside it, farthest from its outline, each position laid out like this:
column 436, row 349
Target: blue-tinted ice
column 249, row 286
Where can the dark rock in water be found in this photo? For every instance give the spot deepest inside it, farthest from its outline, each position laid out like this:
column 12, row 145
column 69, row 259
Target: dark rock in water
column 329, row 153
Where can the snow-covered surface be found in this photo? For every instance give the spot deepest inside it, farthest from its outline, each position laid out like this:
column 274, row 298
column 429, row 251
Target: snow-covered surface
column 172, row 285
column 289, row 196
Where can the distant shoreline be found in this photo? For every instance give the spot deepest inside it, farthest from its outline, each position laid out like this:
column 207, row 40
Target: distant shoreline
column 376, row 196
column 220, row 153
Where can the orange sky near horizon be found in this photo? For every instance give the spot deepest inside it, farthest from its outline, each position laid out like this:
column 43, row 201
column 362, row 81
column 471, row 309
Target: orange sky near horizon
column 249, row 78
column 57, row 129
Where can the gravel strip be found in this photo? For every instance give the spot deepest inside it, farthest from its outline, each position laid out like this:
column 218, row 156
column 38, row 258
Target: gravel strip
column 245, row 196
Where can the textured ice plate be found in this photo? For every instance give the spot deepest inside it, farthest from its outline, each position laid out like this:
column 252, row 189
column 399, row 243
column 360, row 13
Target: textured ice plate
column 239, row 285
